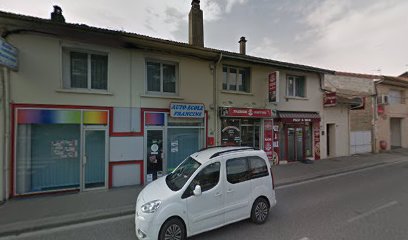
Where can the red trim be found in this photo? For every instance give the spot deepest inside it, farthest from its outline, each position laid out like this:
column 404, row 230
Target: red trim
column 13, row 125
column 127, row 134
column 46, row 193
column 206, row 128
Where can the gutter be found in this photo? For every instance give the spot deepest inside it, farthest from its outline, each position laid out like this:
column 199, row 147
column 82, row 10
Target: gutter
column 215, row 87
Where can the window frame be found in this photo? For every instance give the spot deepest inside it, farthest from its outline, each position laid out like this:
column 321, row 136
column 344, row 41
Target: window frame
column 176, row 73
column 392, row 100
column 295, row 87
column 190, row 188
column 66, row 68
column 237, row 69
column 251, row 168
column 247, row 176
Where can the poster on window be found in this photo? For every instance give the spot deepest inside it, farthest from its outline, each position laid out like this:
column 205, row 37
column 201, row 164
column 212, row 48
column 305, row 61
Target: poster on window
column 273, row 86
column 230, row 133
column 316, row 141
column 268, row 139
column 63, row 149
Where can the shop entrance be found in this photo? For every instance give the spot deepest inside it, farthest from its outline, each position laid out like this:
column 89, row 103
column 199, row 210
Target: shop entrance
column 295, row 143
column 94, row 159
column 155, row 153
column 241, row 132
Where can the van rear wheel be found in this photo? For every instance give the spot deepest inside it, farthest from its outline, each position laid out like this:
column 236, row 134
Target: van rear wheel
column 173, row 229
column 260, row 211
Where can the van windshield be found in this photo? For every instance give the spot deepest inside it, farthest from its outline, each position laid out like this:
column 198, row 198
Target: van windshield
column 176, row 179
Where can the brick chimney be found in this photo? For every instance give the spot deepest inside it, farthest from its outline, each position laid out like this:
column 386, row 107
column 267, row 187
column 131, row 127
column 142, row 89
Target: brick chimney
column 195, row 22
column 242, row 45
column 57, row 16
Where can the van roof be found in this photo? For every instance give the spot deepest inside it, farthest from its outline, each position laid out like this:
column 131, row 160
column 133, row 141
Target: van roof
column 207, row 154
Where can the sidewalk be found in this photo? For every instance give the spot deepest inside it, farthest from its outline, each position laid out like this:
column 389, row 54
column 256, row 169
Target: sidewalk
column 28, row 214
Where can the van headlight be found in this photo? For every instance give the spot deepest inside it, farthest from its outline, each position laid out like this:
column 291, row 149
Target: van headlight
column 150, row 207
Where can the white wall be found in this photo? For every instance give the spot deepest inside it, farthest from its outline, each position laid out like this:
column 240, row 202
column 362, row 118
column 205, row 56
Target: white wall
column 339, row 116
column 126, row 149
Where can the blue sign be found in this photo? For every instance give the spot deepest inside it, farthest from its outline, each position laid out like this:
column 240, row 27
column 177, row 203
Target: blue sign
column 8, row 55
column 187, row 110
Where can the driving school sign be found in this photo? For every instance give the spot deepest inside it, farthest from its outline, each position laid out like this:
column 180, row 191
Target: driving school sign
column 187, row 110
column 8, row 55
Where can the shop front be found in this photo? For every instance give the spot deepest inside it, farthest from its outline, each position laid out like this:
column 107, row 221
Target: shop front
column 247, row 127
column 299, row 136
column 59, row 149
column 171, row 135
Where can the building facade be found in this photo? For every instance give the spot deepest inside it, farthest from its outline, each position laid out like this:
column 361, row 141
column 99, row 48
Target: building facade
column 349, row 113
column 391, row 124
column 92, row 108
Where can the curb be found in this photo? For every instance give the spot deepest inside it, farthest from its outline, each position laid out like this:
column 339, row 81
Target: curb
column 327, row 174
column 15, row 229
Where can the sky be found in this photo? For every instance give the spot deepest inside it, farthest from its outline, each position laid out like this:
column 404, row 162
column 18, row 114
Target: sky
column 361, row 36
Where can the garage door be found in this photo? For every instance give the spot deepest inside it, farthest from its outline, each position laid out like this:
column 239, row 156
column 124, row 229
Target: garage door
column 360, row 142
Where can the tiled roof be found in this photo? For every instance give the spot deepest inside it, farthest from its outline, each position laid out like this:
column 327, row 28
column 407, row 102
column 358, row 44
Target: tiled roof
column 44, row 23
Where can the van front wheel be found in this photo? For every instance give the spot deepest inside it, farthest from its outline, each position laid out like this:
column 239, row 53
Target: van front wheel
column 260, row 211
column 173, row 229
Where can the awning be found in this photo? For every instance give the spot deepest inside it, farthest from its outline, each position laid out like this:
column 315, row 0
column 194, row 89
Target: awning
column 298, row 117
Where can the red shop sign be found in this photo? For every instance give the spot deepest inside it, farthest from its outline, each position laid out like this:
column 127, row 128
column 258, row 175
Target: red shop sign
column 329, row 99
column 245, row 112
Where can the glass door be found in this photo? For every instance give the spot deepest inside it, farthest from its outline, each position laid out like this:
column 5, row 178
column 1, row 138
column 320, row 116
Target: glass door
column 295, row 144
column 94, row 160
column 299, row 144
column 155, row 154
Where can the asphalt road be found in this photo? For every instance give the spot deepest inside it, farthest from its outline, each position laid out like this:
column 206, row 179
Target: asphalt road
column 368, row 204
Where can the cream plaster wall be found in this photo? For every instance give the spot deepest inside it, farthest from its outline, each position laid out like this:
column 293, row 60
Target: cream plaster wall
column 382, row 125
column 339, row 116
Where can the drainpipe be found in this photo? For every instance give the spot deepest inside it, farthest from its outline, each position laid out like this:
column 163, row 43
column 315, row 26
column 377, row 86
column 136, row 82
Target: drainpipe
column 215, row 100
column 6, row 133
column 2, row 133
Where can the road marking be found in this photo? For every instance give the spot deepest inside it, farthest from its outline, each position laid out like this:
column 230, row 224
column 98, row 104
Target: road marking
column 372, row 211
column 68, row 227
column 339, row 175
column 304, row 238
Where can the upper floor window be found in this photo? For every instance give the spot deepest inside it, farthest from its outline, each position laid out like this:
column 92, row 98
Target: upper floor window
column 236, row 79
column 296, row 86
column 161, row 77
column 395, row 97
column 85, row 70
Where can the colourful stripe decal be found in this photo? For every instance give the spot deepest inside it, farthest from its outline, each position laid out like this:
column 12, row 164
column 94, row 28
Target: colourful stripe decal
column 36, row 116
column 154, row 119
column 96, row 117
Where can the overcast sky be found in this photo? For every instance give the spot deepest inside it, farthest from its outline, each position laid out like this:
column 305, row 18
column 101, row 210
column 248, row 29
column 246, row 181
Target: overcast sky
column 363, row 36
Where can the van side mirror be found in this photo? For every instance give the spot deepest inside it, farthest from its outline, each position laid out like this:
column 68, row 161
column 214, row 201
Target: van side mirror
column 197, row 190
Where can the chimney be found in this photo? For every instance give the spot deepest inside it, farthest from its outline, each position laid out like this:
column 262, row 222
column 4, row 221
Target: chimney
column 242, row 45
column 195, row 22
column 57, row 16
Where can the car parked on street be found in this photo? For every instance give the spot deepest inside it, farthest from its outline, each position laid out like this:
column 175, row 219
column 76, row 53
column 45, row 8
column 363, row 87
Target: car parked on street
column 209, row 189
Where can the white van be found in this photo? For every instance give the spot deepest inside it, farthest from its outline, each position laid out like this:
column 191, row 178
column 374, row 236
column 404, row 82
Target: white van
column 209, row 189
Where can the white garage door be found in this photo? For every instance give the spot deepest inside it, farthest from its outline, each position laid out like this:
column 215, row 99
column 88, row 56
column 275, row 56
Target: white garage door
column 360, row 142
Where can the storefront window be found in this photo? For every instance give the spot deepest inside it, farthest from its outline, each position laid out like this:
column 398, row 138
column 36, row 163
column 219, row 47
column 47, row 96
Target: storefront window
column 184, row 137
column 47, row 157
column 309, row 139
column 230, row 132
column 241, row 132
column 282, row 143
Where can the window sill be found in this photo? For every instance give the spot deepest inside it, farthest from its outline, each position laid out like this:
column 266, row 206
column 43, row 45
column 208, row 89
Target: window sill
column 237, row 93
column 84, row 91
column 296, row 98
column 161, row 96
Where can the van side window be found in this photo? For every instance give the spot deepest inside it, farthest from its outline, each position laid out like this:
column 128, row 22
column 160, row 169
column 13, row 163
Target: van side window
column 207, row 179
column 237, row 170
column 258, row 167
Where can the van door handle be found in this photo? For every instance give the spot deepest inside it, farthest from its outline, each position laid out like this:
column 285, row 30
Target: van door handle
column 230, row 191
column 218, row 194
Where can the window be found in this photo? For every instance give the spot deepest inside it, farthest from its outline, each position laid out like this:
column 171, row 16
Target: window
column 258, row 167
column 235, row 79
column 85, row 70
column 237, row 170
column 395, row 97
column 207, row 179
column 296, row 86
column 161, row 77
